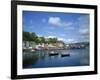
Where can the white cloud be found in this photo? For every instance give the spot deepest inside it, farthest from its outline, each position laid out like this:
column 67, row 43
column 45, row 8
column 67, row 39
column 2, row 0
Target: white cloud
column 61, row 39
column 67, row 40
column 39, row 35
column 84, row 25
column 50, row 33
column 63, row 35
column 70, row 41
column 56, row 21
column 50, row 36
column 84, row 20
column 43, row 20
column 84, row 31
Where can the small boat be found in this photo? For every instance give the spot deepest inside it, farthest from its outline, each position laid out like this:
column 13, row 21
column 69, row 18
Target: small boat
column 53, row 53
column 32, row 50
column 64, row 55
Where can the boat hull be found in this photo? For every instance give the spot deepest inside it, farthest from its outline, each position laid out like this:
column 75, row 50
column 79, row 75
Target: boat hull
column 53, row 54
column 64, row 55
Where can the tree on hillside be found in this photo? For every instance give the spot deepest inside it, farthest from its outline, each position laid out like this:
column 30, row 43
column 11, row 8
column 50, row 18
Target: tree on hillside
column 29, row 36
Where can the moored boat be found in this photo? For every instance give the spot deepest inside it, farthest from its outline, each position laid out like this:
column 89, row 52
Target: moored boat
column 32, row 50
column 53, row 53
column 65, row 54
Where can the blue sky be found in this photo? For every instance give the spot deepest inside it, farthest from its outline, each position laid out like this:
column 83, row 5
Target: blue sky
column 68, row 27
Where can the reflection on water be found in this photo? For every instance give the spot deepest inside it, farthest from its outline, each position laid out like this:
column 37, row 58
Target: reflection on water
column 42, row 59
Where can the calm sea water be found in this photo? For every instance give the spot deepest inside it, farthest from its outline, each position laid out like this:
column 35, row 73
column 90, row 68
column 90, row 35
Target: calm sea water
column 41, row 59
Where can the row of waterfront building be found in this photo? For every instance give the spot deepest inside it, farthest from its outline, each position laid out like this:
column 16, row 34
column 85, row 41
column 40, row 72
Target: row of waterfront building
column 33, row 45
column 57, row 45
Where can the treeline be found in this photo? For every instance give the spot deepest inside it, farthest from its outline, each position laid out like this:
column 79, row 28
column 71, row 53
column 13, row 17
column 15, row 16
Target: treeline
column 31, row 36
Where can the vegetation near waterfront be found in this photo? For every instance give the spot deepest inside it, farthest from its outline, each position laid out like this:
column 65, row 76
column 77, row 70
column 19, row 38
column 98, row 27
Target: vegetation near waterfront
column 31, row 36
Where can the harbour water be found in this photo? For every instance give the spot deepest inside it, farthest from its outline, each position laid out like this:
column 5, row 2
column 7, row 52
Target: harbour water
column 42, row 59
